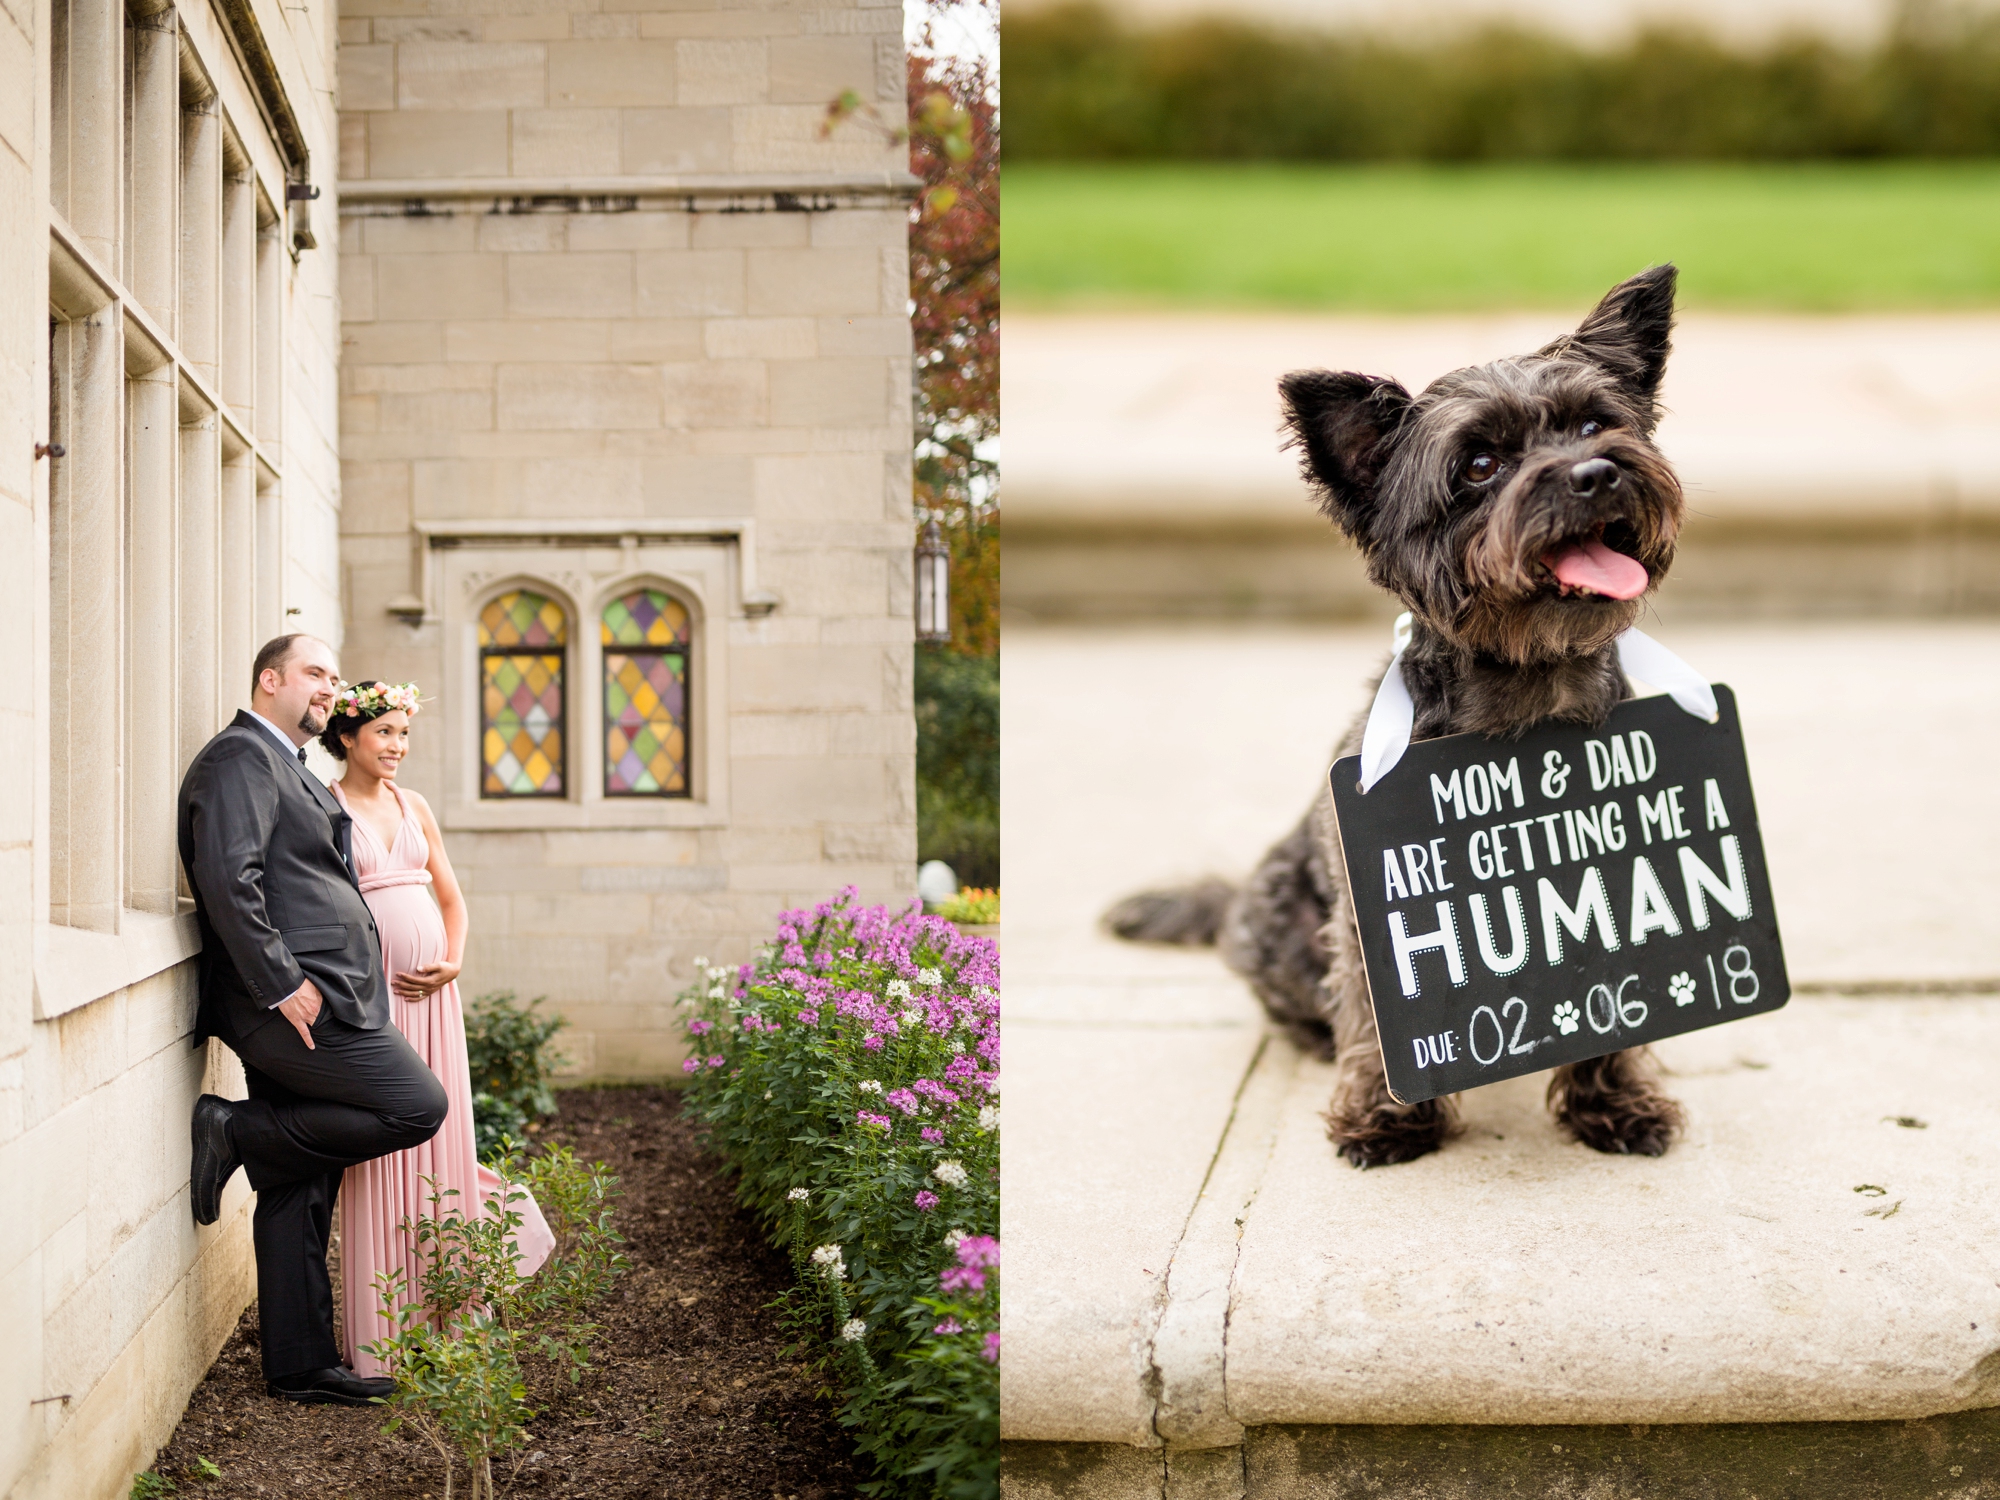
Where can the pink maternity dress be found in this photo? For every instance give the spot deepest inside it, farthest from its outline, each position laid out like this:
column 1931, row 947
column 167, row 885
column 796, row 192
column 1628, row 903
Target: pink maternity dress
column 378, row 1195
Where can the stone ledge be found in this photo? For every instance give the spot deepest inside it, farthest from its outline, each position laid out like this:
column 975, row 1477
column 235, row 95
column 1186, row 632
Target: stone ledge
column 1955, row 1456
column 1740, row 1278
column 1862, row 484
column 808, row 192
column 1516, row 1276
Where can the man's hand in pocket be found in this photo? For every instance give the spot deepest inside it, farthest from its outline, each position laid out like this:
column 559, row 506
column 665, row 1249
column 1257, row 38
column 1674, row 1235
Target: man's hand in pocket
column 301, row 1008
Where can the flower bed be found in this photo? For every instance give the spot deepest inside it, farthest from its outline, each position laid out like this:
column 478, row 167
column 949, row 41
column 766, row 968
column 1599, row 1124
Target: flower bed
column 691, row 1394
column 850, row 1076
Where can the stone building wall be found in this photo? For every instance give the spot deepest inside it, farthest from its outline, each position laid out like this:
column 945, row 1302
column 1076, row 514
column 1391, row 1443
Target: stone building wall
column 145, row 151
column 618, row 315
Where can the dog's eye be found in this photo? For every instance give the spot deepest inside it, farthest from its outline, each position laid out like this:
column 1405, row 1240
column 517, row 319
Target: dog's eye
column 1481, row 467
column 1590, row 429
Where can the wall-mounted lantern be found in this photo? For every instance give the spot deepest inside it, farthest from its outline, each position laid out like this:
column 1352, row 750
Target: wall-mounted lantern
column 933, row 586
column 298, row 195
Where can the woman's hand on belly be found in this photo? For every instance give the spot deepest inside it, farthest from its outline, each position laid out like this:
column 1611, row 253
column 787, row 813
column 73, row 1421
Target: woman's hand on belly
column 421, row 984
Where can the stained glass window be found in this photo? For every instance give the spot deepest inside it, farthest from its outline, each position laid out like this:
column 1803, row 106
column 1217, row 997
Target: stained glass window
column 521, row 640
column 645, row 696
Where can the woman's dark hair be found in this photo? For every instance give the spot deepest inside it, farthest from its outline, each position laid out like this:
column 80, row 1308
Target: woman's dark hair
column 341, row 724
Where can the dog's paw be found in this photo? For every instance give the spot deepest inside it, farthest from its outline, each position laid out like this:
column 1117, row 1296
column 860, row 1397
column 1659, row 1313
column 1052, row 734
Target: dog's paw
column 1634, row 1125
column 1565, row 1016
column 1390, row 1133
column 1681, row 987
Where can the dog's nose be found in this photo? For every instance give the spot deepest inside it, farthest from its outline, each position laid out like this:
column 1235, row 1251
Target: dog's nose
column 1595, row 476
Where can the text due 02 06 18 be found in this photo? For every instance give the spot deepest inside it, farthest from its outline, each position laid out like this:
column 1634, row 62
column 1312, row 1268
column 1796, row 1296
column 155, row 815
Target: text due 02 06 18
column 1531, row 902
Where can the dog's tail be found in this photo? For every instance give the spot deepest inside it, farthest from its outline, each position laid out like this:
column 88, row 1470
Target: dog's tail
column 1190, row 915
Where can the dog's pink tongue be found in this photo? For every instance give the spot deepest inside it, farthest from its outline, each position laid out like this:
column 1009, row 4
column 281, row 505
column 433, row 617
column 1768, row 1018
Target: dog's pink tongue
column 1594, row 566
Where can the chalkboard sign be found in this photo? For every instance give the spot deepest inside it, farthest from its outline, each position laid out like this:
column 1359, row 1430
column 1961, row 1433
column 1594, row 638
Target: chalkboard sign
column 1531, row 902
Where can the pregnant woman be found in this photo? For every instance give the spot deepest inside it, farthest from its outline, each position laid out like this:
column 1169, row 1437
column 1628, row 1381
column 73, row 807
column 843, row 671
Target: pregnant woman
column 398, row 852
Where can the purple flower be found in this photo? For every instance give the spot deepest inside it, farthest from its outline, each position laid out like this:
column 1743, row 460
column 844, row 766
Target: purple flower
column 992, row 1349
column 872, row 1042
column 926, row 1200
column 979, row 1250
column 866, row 1118
column 701, row 1028
column 962, row 1279
column 692, row 1065
column 906, row 1101
column 930, row 1088
column 961, row 1069
column 809, row 1017
column 949, row 1325
column 930, row 1132
column 716, row 1061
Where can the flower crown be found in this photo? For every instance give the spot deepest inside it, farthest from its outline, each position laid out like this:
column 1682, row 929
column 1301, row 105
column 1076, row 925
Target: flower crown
column 376, row 699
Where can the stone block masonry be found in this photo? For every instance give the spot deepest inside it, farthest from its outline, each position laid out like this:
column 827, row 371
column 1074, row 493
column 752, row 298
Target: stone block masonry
column 618, row 315
column 189, row 376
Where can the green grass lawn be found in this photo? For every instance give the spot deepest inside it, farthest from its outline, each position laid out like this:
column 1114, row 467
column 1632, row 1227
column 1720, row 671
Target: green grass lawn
column 1816, row 237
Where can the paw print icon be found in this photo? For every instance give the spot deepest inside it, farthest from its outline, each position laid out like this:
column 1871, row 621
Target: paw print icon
column 1566, row 1018
column 1681, row 987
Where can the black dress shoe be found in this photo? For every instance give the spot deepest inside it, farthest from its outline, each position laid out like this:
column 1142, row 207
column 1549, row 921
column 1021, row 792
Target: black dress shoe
column 215, row 1158
column 338, row 1386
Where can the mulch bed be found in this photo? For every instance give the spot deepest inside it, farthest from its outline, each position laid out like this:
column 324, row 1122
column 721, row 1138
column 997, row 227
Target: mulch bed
column 692, row 1396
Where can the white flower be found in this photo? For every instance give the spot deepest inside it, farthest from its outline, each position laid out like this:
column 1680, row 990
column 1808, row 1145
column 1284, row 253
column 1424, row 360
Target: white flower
column 930, row 977
column 868, row 1086
column 951, row 1239
column 767, row 1093
column 989, row 1117
column 832, row 1264
column 701, row 963
column 950, row 1173
column 852, row 1330
column 798, row 1195
column 910, row 1017
column 899, row 989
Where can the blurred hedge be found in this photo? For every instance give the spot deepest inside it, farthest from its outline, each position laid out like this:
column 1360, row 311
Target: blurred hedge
column 1083, row 86
column 958, row 762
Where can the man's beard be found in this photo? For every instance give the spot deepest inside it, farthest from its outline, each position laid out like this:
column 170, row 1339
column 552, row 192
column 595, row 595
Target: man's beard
column 314, row 721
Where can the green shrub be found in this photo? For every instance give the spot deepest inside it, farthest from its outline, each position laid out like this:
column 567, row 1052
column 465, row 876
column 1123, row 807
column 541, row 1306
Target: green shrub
column 1083, row 86
column 850, row 1077
column 513, row 1064
column 958, row 762
column 460, row 1336
column 152, row 1486
column 460, row 1389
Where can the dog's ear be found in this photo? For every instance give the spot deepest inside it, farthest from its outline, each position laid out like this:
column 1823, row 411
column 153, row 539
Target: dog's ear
column 1345, row 426
column 1626, row 335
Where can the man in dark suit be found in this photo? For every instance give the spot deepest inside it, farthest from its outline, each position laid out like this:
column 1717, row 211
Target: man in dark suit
column 291, row 979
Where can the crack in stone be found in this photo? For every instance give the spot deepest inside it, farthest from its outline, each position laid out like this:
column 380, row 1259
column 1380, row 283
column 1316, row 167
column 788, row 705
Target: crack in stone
column 1153, row 1380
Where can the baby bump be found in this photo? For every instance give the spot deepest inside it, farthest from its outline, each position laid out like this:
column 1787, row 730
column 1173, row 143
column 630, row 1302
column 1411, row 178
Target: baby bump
column 410, row 926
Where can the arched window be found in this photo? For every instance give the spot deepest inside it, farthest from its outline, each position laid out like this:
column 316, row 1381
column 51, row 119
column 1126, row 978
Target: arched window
column 645, row 696
column 521, row 640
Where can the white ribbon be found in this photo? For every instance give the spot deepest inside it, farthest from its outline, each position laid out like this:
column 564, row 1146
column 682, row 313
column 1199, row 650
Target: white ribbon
column 1392, row 718
column 1394, row 715
column 1646, row 659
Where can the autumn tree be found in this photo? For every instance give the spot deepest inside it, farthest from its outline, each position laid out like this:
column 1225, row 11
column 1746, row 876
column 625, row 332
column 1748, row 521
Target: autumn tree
column 955, row 322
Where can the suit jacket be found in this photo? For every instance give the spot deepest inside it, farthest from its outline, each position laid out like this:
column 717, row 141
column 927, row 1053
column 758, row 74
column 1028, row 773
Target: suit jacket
column 268, row 853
